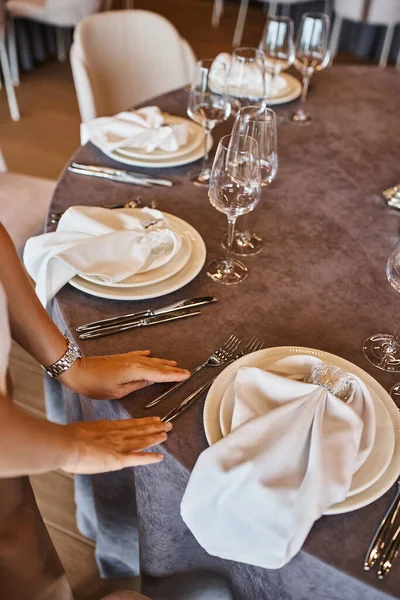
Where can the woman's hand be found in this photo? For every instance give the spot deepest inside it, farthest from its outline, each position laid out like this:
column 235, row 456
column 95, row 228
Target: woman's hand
column 113, row 377
column 102, row 446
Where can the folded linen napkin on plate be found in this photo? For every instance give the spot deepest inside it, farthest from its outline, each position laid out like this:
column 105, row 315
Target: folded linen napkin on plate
column 144, row 128
column 251, row 79
column 294, row 447
column 111, row 244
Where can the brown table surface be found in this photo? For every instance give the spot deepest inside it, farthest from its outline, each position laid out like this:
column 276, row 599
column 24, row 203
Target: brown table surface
column 319, row 282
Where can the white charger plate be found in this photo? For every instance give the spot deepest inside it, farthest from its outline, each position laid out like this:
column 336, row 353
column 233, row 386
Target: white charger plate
column 195, row 136
column 377, row 461
column 152, row 275
column 167, row 163
column 214, row 434
column 190, row 270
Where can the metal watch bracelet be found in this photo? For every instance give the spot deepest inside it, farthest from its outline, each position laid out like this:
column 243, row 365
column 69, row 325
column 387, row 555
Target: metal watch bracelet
column 66, row 361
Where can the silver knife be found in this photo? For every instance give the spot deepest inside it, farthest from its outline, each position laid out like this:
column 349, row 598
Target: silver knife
column 119, row 179
column 123, row 173
column 190, row 302
column 379, row 541
column 173, row 316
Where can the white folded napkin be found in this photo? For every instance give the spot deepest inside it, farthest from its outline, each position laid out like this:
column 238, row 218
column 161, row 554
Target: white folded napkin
column 251, row 79
column 110, row 244
column 294, row 447
column 143, row 128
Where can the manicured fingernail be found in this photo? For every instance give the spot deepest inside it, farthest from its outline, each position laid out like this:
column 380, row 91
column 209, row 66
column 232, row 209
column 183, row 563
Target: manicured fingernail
column 160, row 456
column 168, row 426
column 164, row 436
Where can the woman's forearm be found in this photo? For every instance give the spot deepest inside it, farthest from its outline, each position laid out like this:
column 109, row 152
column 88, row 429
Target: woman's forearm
column 29, row 445
column 30, row 324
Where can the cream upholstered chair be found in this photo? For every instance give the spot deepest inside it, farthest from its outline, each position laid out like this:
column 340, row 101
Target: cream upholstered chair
column 125, row 57
column 24, row 202
column 373, row 12
column 61, row 13
column 5, row 68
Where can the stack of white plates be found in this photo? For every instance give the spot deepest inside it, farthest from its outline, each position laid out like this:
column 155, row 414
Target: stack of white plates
column 287, row 88
column 173, row 275
column 380, row 470
column 161, row 159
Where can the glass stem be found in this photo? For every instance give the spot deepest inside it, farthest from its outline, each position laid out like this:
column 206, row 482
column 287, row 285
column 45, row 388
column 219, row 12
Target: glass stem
column 306, row 83
column 396, row 338
column 207, row 133
column 231, row 233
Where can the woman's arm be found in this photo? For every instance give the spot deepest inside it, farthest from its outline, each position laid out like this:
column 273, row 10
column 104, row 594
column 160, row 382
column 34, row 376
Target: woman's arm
column 29, row 445
column 97, row 377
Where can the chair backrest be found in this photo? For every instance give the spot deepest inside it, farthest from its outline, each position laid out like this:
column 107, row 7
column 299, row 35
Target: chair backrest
column 122, row 58
column 68, row 13
column 374, row 12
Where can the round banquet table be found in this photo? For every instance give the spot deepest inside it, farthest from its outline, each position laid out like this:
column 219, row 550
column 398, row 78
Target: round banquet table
column 319, row 282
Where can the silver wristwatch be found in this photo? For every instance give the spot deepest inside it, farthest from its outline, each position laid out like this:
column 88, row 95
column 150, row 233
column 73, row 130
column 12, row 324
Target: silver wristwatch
column 66, row 361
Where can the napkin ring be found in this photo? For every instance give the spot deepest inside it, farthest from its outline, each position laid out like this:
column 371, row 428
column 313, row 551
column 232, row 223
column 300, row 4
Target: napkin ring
column 66, row 361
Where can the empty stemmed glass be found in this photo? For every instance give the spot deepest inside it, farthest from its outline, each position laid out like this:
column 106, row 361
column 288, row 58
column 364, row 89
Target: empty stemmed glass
column 235, row 186
column 278, row 47
column 383, row 349
column 246, row 78
column 259, row 123
column 312, row 55
column 208, row 105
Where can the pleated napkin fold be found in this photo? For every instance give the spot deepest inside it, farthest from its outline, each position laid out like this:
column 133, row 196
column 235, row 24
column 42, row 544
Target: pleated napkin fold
column 144, row 129
column 292, row 452
column 112, row 245
column 250, row 81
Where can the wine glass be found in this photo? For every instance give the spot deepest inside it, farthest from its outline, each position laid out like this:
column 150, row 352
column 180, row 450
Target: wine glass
column 312, row 54
column 235, row 186
column 246, row 78
column 278, row 47
column 208, row 105
column 259, row 123
column 383, row 349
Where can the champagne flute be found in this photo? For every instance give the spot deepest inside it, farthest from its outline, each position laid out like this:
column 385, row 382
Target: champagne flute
column 278, row 47
column 259, row 123
column 383, row 349
column 246, row 78
column 235, row 187
column 208, row 105
column 312, row 54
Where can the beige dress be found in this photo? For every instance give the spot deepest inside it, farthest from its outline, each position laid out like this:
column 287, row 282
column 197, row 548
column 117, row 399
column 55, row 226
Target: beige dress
column 29, row 566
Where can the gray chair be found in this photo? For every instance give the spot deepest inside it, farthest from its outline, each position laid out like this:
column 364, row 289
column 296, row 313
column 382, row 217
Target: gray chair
column 373, row 12
column 24, row 202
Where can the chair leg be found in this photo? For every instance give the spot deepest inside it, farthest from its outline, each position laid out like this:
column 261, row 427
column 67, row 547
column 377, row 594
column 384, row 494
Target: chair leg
column 12, row 49
column 218, row 11
column 61, row 47
column 272, row 8
column 12, row 100
column 335, row 36
column 128, row 4
column 387, row 42
column 398, row 60
column 237, row 36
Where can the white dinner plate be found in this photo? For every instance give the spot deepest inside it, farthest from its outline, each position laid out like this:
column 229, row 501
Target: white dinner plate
column 370, row 494
column 190, row 270
column 195, row 137
column 377, row 461
column 167, row 163
column 153, row 275
column 289, row 93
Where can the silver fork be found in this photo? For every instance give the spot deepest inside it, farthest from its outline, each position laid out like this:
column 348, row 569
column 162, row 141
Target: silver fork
column 253, row 345
column 217, row 359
